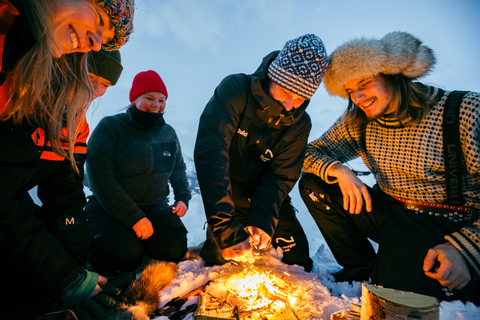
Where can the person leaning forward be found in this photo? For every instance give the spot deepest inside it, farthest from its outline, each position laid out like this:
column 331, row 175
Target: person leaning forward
column 249, row 151
column 427, row 243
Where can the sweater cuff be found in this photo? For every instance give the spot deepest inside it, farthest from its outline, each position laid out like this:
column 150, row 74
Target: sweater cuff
column 80, row 289
column 467, row 248
column 324, row 174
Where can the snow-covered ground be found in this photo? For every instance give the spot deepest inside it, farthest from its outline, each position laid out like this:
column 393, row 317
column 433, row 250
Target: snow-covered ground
column 324, row 295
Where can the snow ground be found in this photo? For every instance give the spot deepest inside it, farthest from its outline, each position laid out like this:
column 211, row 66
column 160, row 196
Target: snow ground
column 325, row 296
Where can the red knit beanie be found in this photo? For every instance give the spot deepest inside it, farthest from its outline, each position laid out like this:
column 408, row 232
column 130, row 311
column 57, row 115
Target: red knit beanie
column 147, row 81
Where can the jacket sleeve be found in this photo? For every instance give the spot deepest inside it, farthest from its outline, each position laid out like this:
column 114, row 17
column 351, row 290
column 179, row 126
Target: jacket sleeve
column 102, row 176
column 178, row 179
column 218, row 124
column 63, row 201
column 339, row 144
column 281, row 176
column 29, row 249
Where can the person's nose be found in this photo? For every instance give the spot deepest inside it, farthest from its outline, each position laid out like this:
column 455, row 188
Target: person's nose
column 357, row 96
column 95, row 40
column 288, row 104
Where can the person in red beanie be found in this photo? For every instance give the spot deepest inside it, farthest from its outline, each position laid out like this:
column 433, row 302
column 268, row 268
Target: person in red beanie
column 132, row 157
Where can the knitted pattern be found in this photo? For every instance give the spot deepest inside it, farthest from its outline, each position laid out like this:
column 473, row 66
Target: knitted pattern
column 300, row 66
column 408, row 161
column 121, row 14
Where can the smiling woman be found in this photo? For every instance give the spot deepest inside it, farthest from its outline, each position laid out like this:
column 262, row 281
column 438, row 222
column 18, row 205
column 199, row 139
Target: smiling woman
column 45, row 90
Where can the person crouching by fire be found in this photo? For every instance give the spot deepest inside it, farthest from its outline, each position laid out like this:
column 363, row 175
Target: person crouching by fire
column 249, row 151
column 132, row 158
column 428, row 232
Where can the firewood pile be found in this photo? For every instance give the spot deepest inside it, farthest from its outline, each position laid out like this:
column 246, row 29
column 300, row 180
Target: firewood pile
column 251, row 294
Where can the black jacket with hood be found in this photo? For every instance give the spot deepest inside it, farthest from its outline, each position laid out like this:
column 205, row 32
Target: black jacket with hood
column 249, row 153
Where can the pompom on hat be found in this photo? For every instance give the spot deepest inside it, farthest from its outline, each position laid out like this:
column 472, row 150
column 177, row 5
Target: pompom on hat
column 395, row 53
column 105, row 64
column 121, row 14
column 147, row 81
column 300, row 65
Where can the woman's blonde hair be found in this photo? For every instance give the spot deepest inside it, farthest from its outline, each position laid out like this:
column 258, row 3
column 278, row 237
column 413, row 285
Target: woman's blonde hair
column 47, row 92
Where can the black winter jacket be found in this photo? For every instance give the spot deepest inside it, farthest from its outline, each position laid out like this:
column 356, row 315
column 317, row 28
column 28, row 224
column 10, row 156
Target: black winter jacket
column 44, row 245
column 249, row 161
column 130, row 166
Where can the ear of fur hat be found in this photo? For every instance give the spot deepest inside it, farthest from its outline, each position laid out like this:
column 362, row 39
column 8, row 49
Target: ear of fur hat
column 143, row 296
column 395, row 53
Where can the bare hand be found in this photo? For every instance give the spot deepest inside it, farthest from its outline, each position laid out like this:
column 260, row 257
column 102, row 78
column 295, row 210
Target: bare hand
column 258, row 238
column 452, row 271
column 143, row 228
column 102, row 281
column 179, row 208
column 353, row 189
column 241, row 252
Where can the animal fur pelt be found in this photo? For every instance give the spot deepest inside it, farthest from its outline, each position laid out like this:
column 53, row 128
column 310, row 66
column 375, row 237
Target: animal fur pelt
column 142, row 298
column 396, row 53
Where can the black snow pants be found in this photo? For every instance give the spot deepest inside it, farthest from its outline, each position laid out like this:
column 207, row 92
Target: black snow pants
column 403, row 238
column 116, row 249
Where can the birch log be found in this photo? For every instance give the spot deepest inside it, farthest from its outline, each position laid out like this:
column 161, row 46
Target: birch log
column 380, row 303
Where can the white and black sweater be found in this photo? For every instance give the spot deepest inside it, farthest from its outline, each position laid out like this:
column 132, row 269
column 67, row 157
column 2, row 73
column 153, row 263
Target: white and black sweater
column 408, row 162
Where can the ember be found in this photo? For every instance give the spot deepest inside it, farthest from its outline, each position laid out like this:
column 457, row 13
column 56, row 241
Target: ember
column 249, row 294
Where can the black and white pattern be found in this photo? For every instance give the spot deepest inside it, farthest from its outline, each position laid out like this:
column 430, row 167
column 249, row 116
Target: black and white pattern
column 301, row 65
column 408, row 161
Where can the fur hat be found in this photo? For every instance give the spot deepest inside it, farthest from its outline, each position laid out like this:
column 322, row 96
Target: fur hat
column 121, row 14
column 147, row 81
column 300, row 66
column 105, row 64
column 396, row 53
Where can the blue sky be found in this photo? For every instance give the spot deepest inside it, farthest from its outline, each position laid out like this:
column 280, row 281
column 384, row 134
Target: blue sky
column 193, row 44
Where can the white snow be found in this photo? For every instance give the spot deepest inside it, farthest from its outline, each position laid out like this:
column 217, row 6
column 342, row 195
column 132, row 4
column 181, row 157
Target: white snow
column 324, row 297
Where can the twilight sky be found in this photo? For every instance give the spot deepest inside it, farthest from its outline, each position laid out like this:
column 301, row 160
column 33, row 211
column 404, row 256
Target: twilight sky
column 193, row 44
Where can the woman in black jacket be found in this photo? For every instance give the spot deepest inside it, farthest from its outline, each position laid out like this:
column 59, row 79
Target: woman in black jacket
column 44, row 90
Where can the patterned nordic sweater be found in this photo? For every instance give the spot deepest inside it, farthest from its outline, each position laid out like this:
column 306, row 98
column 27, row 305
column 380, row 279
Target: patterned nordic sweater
column 408, row 161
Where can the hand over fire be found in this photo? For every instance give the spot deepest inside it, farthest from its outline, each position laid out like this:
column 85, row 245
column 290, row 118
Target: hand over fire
column 248, row 250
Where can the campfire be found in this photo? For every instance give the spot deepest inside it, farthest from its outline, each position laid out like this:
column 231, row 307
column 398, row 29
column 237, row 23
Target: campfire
column 252, row 293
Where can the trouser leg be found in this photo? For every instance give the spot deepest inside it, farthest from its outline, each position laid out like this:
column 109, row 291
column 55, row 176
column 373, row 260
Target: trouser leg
column 169, row 239
column 114, row 248
column 346, row 234
column 289, row 235
column 211, row 252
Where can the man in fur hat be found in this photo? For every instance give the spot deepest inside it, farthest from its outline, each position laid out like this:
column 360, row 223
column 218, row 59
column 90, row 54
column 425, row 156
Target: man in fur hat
column 249, row 152
column 424, row 220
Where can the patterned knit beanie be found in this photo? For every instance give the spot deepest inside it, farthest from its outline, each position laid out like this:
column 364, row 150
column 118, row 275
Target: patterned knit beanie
column 105, row 64
column 300, row 66
column 396, row 53
column 147, row 81
column 121, row 14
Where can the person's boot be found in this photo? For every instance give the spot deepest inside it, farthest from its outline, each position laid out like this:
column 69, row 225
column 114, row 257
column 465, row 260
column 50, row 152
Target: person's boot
column 350, row 274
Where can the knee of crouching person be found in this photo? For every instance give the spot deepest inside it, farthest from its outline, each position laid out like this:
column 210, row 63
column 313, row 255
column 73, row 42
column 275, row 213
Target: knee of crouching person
column 312, row 188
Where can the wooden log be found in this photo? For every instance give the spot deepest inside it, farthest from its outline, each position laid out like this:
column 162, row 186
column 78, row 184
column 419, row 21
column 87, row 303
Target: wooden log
column 380, row 303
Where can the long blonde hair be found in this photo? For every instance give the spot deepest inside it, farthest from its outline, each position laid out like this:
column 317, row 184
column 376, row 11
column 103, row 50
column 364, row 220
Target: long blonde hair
column 47, row 92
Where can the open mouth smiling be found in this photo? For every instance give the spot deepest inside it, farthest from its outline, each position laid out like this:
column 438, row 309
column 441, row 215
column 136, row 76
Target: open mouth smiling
column 74, row 38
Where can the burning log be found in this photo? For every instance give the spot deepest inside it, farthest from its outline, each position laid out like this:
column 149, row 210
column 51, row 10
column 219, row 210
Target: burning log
column 251, row 294
column 384, row 303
